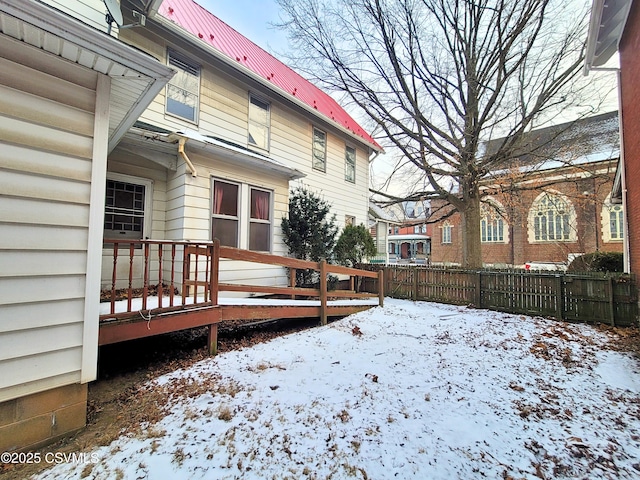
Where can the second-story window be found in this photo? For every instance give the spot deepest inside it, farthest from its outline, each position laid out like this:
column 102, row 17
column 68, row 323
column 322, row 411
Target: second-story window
column 319, row 150
column 183, row 90
column 350, row 165
column 258, row 123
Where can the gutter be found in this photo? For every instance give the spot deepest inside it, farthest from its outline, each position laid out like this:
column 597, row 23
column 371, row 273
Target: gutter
column 182, row 33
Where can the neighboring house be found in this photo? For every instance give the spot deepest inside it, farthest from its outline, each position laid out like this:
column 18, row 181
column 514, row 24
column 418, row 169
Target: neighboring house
column 408, row 234
column 615, row 27
column 549, row 205
column 94, row 145
column 380, row 224
column 68, row 92
column 219, row 150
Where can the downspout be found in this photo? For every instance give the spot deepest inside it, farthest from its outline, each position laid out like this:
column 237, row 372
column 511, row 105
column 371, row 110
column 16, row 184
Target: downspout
column 623, row 184
column 626, row 257
column 182, row 153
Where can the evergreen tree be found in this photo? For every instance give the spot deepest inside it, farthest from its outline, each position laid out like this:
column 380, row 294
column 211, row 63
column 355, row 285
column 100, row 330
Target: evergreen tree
column 310, row 231
column 354, row 245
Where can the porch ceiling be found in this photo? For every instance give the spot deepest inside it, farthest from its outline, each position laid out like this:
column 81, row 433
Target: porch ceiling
column 136, row 78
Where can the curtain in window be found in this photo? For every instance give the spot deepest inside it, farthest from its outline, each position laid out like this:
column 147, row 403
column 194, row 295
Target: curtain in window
column 218, row 194
column 259, row 205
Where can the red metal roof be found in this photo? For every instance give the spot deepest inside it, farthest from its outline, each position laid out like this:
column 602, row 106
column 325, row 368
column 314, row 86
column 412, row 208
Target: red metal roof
column 214, row 32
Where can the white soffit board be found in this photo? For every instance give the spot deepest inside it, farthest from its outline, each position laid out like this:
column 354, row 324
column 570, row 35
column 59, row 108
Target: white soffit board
column 136, row 78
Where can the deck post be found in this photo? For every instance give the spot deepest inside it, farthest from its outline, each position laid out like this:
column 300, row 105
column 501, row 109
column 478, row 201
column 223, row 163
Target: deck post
column 215, row 272
column 292, row 280
column 212, row 338
column 323, row 292
column 381, row 288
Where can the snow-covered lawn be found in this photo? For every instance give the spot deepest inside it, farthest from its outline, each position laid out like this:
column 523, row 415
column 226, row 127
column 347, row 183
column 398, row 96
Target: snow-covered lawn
column 411, row 390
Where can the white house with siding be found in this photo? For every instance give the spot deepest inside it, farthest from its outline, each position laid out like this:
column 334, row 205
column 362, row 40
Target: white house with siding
column 99, row 139
column 234, row 130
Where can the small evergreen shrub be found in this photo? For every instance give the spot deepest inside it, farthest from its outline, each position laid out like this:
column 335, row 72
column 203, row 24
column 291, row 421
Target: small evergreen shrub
column 597, row 262
column 309, row 232
column 354, row 245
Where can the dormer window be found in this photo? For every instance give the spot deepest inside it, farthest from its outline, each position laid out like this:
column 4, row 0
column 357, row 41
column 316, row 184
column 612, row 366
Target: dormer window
column 183, row 90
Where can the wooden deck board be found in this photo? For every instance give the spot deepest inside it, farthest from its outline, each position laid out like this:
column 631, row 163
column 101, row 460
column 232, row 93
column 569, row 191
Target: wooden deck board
column 136, row 326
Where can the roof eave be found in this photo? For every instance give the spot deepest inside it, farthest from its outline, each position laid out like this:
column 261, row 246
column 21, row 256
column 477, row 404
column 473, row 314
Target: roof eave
column 229, row 153
column 606, row 26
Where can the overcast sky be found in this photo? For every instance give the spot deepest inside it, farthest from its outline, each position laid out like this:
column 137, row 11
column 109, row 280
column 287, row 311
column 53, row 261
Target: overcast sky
column 253, row 19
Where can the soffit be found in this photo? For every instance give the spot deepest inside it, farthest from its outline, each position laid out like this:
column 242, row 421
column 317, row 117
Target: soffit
column 136, row 78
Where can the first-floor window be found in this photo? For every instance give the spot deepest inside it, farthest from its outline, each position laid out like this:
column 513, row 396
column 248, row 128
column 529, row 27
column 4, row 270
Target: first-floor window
column 260, row 222
column 124, row 210
column 225, row 217
column 242, row 215
column 392, row 248
column 446, row 233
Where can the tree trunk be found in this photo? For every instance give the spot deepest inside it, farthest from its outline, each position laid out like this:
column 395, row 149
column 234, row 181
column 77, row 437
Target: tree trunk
column 471, row 248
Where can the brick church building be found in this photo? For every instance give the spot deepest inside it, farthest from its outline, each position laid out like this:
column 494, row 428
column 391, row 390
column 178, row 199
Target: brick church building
column 549, row 205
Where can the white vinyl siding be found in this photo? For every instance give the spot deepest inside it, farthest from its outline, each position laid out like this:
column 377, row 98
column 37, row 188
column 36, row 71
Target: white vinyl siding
column 91, row 12
column 46, row 151
column 189, row 213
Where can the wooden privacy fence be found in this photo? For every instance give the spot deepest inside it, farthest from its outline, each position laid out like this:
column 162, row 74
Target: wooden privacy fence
column 574, row 297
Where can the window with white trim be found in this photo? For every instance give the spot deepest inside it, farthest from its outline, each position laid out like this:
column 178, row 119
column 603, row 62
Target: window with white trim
column 552, row 219
column 259, row 123
column 225, row 216
column 241, row 215
column 612, row 221
column 446, row 232
column 492, row 225
column 319, row 150
column 183, row 90
column 260, row 220
column 350, row 164
column 127, row 207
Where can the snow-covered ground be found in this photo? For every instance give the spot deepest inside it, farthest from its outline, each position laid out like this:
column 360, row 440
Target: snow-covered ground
column 411, row 390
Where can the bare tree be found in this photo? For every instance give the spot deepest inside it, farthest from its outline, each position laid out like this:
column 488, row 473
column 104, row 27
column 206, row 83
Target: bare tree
column 437, row 78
